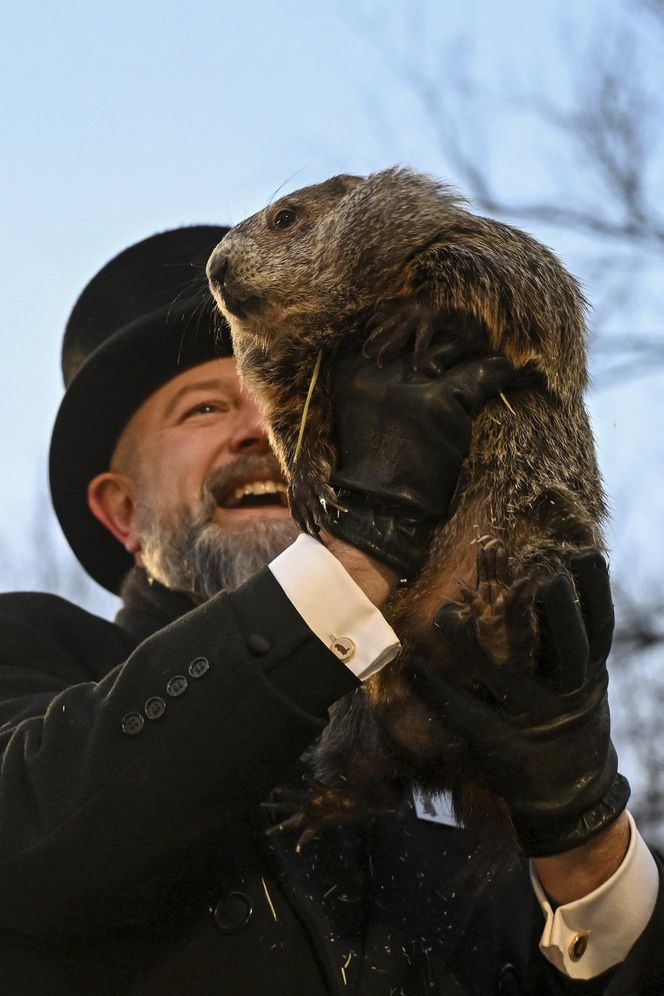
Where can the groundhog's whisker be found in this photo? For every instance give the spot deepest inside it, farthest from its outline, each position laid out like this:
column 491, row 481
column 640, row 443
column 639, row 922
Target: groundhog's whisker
column 305, row 410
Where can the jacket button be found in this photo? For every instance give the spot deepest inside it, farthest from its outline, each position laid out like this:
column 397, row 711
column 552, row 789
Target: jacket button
column 198, row 667
column 177, row 685
column 508, row 981
column 155, row 708
column 258, row 645
column 232, row 912
column 132, row 723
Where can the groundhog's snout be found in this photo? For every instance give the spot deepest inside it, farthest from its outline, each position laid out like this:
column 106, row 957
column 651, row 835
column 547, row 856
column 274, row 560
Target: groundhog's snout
column 216, row 267
column 226, row 290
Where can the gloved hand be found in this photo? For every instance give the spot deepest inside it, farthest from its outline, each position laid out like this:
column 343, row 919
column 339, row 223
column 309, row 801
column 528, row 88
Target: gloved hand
column 543, row 739
column 402, row 437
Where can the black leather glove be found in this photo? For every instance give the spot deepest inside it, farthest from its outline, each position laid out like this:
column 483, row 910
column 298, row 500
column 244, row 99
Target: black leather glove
column 543, row 739
column 402, row 437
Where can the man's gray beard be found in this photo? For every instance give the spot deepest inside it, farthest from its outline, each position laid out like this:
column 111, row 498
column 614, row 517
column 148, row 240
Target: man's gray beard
column 193, row 554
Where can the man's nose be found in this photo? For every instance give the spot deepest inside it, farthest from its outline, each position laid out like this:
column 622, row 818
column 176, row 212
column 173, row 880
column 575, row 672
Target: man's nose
column 249, row 432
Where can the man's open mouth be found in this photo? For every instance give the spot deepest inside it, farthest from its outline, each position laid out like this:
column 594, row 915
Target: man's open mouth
column 255, row 494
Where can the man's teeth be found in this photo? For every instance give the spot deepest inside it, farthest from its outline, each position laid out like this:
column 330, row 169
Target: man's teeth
column 257, row 488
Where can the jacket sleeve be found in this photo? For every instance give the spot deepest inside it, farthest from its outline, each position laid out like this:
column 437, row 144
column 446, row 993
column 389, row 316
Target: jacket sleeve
column 97, row 799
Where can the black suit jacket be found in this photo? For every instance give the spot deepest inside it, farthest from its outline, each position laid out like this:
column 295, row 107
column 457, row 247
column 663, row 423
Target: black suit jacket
column 133, row 853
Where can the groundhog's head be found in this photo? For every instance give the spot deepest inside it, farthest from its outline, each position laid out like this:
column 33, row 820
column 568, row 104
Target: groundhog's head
column 327, row 250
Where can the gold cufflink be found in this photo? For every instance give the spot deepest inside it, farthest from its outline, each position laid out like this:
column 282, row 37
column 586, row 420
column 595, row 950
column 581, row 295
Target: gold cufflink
column 577, row 946
column 343, row 647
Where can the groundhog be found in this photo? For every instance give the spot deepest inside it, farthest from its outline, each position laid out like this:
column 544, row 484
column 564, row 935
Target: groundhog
column 390, row 262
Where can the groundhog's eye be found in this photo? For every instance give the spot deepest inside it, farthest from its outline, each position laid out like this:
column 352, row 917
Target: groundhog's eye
column 284, row 218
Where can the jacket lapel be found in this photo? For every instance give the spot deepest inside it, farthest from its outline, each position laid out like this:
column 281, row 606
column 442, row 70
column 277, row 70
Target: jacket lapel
column 327, row 886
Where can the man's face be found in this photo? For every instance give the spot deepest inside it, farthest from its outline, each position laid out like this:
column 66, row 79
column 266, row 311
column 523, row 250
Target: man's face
column 209, row 498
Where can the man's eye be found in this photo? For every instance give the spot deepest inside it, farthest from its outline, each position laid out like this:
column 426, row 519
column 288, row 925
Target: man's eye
column 204, row 408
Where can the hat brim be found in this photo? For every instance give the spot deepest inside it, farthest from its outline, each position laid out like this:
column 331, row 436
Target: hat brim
column 110, row 386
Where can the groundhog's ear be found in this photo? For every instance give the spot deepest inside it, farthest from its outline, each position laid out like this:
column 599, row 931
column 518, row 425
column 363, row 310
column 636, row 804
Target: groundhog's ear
column 343, row 183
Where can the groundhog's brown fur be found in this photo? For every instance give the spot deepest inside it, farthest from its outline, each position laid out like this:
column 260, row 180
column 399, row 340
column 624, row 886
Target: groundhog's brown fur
column 399, row 250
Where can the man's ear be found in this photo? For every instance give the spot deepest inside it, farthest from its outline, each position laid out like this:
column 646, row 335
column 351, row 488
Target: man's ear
column 112, row 500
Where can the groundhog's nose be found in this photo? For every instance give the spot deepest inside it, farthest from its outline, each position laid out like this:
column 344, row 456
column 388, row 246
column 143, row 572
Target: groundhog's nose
column 216, row 267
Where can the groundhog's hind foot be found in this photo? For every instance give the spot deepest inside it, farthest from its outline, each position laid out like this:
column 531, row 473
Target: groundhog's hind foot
column 316, row 809
column 294, row 822
column 502, row 608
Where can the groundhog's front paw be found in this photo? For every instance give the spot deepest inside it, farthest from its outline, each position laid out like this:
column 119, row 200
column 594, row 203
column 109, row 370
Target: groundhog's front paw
column 309, row 502
column 502, row 608
column 397, row 323
column 304, row 504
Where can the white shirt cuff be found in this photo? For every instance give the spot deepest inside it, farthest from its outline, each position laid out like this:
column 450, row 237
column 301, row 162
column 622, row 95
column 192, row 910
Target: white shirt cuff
column 334, row 607
column 586, row 937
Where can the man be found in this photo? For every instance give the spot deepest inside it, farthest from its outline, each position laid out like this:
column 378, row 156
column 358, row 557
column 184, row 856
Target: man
column 134, row 857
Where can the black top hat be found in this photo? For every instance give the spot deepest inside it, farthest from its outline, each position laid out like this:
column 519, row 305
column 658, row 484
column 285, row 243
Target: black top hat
column 143, row 319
